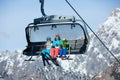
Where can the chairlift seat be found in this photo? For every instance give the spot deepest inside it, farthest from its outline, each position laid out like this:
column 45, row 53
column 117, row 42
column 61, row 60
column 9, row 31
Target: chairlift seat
column 66, row 27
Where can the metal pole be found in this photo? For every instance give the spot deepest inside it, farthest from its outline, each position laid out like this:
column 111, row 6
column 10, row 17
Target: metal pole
column 42, row 7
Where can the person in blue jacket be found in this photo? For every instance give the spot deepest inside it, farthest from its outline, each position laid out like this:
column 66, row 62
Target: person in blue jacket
column 55, row 47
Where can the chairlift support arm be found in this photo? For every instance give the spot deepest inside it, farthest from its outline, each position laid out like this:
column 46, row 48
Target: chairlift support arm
column 42, row 7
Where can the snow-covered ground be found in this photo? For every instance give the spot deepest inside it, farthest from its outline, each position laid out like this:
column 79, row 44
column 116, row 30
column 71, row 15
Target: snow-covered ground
column 83, row 67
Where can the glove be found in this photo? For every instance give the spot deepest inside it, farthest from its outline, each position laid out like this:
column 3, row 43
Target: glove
column 60, row 45
column 43, row 47
column 56, row 44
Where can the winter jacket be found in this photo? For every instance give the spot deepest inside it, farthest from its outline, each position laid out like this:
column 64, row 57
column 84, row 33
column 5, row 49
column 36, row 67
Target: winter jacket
column 48, row 45
column 56, row 43
column 64, row 44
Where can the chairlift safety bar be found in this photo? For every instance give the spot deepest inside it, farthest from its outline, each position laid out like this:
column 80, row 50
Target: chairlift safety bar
column 60, row 23
column 54, row 19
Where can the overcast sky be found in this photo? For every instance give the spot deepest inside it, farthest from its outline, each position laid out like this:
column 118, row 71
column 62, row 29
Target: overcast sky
column 15, row 15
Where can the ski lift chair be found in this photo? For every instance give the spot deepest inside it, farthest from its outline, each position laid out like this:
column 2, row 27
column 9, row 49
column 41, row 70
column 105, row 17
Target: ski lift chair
column 66, row 26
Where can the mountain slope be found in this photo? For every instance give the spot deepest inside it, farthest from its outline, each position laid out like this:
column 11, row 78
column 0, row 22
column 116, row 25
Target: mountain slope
column 109, row 33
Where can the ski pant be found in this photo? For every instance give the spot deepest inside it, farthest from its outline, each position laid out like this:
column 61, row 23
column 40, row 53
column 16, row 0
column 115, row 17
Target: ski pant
column 54, row 52
column 46, row 52
column 63, row 52
column 45, row 59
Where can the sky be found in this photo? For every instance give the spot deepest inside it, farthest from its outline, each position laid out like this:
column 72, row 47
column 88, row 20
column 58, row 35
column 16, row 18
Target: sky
column 15, row 15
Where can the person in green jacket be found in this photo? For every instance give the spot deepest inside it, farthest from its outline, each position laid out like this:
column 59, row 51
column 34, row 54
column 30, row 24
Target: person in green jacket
column 64, row 47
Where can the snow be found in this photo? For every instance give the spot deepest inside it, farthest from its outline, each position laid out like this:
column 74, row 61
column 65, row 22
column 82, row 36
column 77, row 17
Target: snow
column 20, row 61
column 115, row 43
column 66, row 64
column 85, row 66
column 9, row 66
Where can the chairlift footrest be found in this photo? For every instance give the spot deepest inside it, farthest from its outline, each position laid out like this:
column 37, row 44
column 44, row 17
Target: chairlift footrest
column 30, row 60
column 67, row 58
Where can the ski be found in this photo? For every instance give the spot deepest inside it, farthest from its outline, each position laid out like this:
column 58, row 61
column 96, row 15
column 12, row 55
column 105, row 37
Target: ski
column 66, row 58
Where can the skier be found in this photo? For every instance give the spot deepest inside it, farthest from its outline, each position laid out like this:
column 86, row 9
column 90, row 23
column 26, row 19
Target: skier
column 64, row 47
column 46, row 51
column 55, row 48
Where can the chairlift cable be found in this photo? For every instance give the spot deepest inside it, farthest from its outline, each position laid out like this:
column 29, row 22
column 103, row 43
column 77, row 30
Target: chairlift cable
column 92, row 31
